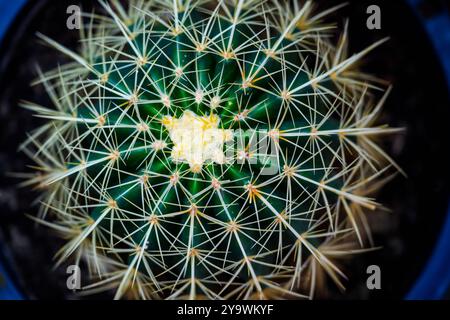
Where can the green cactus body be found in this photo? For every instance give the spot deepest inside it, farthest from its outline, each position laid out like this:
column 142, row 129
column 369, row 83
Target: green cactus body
column 159, row 214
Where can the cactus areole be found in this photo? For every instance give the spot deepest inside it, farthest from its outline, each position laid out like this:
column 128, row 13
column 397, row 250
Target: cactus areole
column 203, row 149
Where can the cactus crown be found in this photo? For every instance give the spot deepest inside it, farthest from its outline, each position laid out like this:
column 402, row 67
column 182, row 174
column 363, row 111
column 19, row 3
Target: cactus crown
column 215, row 149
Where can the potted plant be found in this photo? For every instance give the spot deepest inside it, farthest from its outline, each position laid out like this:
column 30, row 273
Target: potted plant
column 418, row 203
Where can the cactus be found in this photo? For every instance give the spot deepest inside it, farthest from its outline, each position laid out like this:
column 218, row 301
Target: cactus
column 145, row 162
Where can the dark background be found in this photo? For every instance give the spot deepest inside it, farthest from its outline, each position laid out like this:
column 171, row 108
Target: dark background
column 419, row 102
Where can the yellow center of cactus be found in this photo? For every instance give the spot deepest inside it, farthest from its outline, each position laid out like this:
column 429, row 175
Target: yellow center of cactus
column 197, row 139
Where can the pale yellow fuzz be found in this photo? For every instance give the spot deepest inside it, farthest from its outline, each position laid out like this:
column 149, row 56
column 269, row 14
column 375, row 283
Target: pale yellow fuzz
column 197, row 139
